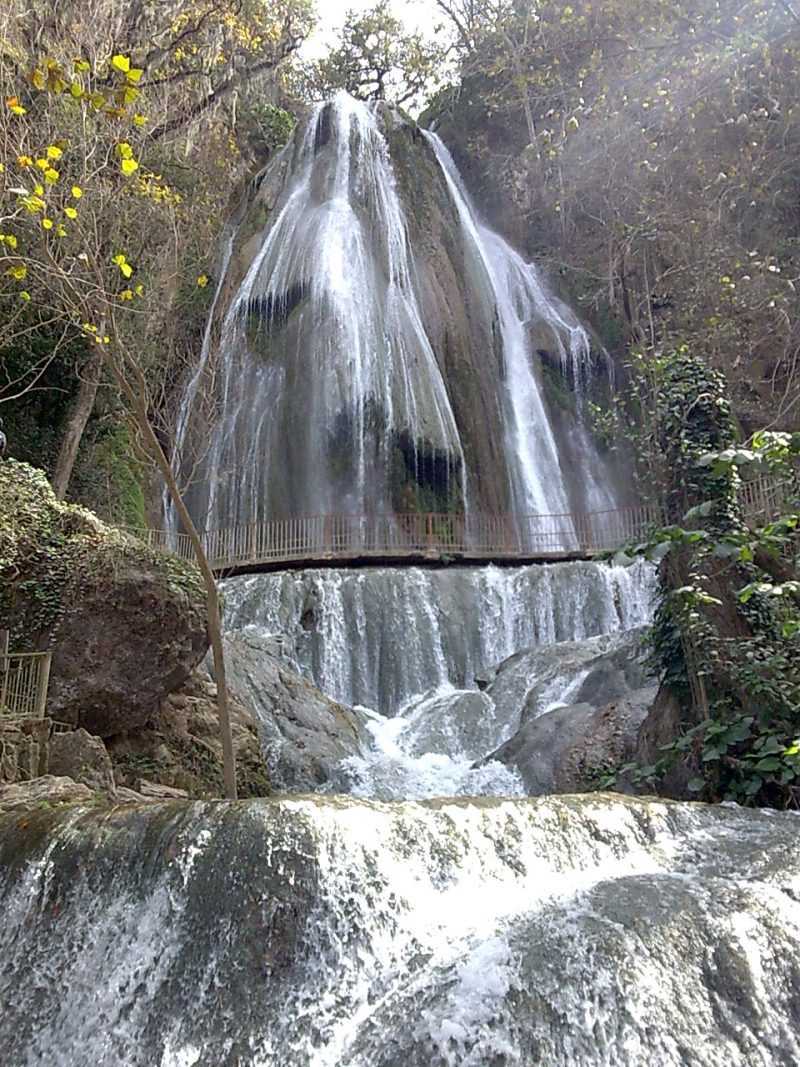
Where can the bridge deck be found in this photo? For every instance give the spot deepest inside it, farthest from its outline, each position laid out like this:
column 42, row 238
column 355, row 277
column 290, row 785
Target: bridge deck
column 438, row 539
column 432, row 539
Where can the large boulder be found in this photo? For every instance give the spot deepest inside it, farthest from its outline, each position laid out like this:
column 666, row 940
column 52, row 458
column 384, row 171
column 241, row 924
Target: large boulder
column 304, row 733
column 593, row 671
column 82, row 757
column 460, row 723
column 570, row 749
column 577, row 706
column 126, row 625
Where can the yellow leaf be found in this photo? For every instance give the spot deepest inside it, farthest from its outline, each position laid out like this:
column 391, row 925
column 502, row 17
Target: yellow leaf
column 25, row 161
column 47, row 224
column 139, row 290
column 38, row 189
column 202, row 281
column 139, row 120
column 126, row 294
column 134, row 75
column 123, row 264
column 14, row 106
column 42, row 163
column 54, row 152
column 81, row 66
column 18, row 272
column 129, row 166
column 38, row 79
column 24, row 295
column 129, row 95
column 124, row 150
column 121, row 63
column 77, row 192
column 51, row 175
column 11, row 240
column 70, row 212
column 60, row 231
column 76, row 89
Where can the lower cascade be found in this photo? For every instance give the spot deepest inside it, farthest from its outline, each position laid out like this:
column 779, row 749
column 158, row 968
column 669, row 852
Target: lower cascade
column 341, row 933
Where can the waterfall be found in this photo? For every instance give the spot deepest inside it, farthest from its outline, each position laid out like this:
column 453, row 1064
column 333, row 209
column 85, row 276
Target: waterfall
column 380, row 636
column 314, row 932
column 374, row 347
column 515, row 289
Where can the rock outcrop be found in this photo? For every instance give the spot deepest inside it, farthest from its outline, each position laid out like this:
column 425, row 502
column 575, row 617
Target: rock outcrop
column 571, row 749
column 42, row 793
column 304, row 733
column 126, row 624
column 579, row 705
column 179, row 748
column 77, row 754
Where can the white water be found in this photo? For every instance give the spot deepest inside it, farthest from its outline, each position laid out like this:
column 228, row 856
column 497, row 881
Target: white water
column 331, row 389
column 381, row 636
column 574, row 932
column 516, row 290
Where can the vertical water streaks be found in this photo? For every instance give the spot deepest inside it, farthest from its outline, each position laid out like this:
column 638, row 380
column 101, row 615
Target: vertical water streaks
column 380, row 636
column 325, row 369
column 328, row 393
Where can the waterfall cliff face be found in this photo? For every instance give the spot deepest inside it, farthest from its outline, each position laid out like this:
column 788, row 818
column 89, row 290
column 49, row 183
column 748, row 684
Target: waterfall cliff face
column 567, row 932
column 380, row 636
column 374, row 348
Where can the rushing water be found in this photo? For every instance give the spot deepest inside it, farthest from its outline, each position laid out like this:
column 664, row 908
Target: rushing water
column 574, row 932
column 331, row 378
column 380, row 636
column 331, row 931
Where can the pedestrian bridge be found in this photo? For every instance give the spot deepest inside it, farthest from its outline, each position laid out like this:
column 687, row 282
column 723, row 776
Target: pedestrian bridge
column 348, row 540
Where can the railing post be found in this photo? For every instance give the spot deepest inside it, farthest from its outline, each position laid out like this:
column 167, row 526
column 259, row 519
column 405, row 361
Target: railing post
column 4, row 667
column 429, row 529
column 44, row 683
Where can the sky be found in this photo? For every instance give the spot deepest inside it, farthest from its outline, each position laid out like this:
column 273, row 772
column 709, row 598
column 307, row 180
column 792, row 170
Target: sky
column 416, row 14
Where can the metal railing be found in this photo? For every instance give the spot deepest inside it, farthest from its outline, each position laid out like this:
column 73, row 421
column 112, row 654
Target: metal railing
column 326, row 538
column 24, row 679
column 350, row 537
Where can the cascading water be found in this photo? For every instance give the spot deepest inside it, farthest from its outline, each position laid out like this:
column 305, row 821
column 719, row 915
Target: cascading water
column 314, row 932
column 329, row 931
column 379, row 637
column 376, row 348
column 514, row 288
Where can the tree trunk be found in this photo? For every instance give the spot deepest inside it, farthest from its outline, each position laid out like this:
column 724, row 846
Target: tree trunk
column 76, row 424
column 135, row 398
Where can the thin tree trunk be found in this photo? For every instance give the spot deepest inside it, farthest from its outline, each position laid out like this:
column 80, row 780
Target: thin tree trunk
column 79, row 416
column 138, row 408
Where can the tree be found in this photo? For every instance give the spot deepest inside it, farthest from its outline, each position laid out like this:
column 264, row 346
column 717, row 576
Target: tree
column 376, row 59
column 55, row 255
column 188, row 62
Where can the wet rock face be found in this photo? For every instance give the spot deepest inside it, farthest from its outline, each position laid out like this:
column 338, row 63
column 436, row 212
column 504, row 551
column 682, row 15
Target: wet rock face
column 594, row 671
column 322, row 932
column 570, row 749
column 304, row 733
column 579, row 706
column 126, row 625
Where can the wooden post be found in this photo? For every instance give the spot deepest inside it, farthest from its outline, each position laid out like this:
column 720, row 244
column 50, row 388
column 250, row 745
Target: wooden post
column 3, row 668
column 44, row 683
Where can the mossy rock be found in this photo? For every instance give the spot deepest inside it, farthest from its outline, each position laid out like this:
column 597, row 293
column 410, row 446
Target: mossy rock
column 126, row 625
